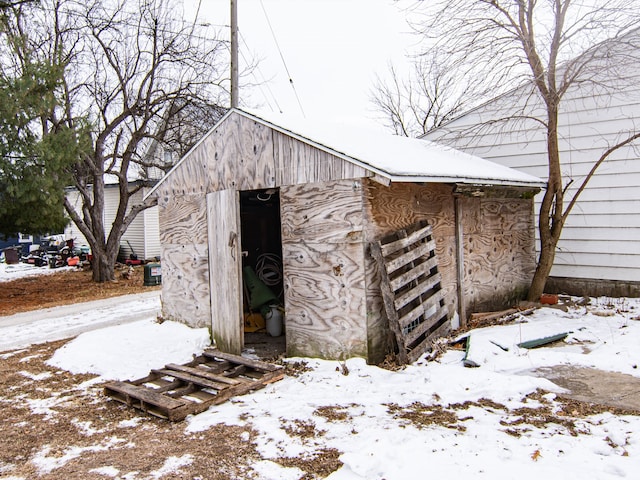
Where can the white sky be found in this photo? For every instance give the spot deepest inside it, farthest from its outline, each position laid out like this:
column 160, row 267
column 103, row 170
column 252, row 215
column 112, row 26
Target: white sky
column 333, row 50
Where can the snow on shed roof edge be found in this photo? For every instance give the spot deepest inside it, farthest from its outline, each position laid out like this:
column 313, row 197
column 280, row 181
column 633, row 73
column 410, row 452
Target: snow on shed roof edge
column 399, row 159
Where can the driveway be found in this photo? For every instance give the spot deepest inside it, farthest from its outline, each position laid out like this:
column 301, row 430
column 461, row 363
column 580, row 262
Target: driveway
column 57, row 323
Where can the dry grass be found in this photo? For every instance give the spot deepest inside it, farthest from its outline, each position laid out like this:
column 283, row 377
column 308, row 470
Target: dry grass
column 65, row 287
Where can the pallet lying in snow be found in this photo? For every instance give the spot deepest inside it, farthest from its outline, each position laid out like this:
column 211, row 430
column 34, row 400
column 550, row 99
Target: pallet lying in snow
column 176, row 391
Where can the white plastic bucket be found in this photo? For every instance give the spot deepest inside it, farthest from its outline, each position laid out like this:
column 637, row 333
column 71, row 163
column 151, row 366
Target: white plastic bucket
column 273, row 320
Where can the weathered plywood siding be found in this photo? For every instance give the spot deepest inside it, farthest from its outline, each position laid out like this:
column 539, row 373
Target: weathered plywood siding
column 323, row 266
column 497, row 235
column 389, row 209
column 299, row 162
column 240, row 155
column 185, row 267
column 243, row 154
column 499, row 251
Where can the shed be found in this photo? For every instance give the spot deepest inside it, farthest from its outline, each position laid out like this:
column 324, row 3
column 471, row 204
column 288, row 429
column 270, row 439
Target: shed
column 316, row 197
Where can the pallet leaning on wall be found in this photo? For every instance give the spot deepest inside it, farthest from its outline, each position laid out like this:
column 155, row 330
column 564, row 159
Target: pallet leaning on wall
column 411, row 289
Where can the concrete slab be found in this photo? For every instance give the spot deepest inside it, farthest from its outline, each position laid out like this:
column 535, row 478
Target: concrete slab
column 595, row 386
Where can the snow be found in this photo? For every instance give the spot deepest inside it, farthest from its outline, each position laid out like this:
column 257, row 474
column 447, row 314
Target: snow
column 46, row 463
column 397, row 158
column 10, row 272
column 374, row 438
column 138, row 346
column 610, row 340
column 56, row 323
column 171, row 465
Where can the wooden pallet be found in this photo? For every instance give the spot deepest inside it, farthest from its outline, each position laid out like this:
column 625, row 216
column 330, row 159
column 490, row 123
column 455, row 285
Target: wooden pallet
column 411, row 290
column 175, row 391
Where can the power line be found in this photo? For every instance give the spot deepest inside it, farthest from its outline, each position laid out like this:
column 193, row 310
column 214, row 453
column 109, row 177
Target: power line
column 273, row 34
column 261, row 81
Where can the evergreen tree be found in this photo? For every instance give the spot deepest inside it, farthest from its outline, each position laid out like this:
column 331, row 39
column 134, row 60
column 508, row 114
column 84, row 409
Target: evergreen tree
column 34, row 162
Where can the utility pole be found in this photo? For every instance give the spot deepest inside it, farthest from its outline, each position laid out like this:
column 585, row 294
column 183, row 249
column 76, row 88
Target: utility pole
column 234, row 53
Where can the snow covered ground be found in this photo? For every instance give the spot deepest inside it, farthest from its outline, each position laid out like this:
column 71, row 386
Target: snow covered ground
column 375, row 441
column 57, row 323
column 431, row 419
column 20, row 270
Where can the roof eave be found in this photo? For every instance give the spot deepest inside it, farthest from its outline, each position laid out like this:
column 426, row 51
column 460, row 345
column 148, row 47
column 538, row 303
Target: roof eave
column 378, row 174
column 466, row 180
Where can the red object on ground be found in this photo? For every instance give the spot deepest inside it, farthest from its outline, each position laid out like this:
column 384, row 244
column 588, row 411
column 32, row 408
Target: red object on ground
column 548, row 299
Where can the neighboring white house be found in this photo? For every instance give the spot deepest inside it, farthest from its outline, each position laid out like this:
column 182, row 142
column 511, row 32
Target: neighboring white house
column 599, row 251
column 143, row 235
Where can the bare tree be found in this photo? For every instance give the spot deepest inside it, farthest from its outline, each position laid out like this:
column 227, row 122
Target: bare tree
column 130, row 67
column 551, row 46
column 428, row 97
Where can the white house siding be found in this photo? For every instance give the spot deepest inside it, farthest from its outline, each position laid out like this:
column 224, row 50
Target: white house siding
column 601, row 239
column 142, row 236
column 72, row 232
column 151, row 220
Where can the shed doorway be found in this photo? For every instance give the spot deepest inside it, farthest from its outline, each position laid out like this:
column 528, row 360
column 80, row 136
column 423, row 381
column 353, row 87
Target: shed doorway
column 263, row 286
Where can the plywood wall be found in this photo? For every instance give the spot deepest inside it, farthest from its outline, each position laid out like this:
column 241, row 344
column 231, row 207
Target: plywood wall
column 394, row 207
column 499, row 251
column 497, row 235
column 323, row 266
column 244, row 154
column 402, row 204
column 298, row 162
column 185, row 269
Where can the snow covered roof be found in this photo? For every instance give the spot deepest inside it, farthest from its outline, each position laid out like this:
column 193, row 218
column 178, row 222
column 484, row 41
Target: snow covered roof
column 395, row 158
column 399, row 159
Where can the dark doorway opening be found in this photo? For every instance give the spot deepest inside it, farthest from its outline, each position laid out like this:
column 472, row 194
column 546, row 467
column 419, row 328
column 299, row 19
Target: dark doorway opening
column 263, row 287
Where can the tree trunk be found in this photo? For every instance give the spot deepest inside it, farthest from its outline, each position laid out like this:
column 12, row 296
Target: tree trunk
column 550, row 219
column 543, row 269
column 103, row 267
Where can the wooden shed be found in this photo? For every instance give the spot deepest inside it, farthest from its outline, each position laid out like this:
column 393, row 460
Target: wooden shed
column 317, row 198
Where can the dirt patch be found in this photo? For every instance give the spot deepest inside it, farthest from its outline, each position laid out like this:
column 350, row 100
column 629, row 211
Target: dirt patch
column 59, row 425
column 317, row 465
column 66, row 287
column 264, row 346
column 595, row 386
column 423, row 416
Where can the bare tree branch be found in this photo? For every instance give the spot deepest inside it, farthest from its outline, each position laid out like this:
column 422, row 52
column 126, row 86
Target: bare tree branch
column 549, row 48
column 130, row 68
